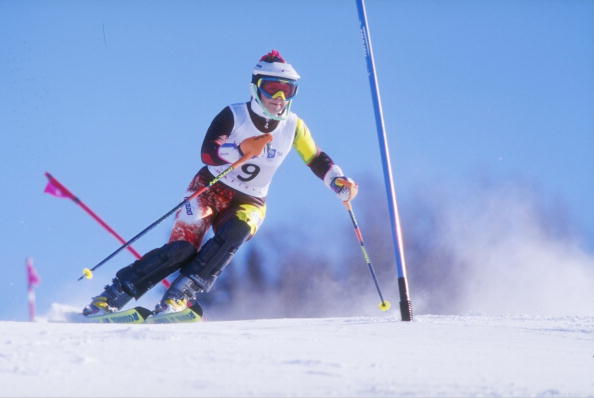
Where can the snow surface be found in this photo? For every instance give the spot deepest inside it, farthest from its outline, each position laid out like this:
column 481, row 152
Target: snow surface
column 357, row 356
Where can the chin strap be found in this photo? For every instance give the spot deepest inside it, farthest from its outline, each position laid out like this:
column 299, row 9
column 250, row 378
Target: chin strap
column 263, row 109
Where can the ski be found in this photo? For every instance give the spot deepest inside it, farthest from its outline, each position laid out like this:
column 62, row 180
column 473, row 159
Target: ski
column 138, row 315
column 189, row 315
column 133, row 315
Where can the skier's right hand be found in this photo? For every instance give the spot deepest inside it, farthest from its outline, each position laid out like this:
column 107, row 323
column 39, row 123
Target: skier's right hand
column 253, row 146
column 346, row 188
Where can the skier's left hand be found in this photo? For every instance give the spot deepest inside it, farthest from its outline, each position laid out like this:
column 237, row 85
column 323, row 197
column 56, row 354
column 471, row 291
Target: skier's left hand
column 346, row 188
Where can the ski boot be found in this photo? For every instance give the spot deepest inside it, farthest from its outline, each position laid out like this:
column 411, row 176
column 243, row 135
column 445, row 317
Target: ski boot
column 111, row 300
column 180, row 295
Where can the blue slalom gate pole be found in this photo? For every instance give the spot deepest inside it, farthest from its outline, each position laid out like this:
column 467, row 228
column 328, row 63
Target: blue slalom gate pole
column 405, row 303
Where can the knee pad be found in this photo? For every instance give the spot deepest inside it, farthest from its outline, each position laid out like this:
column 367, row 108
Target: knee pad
column 252, row 215
column 143, row 274
column 216, row 253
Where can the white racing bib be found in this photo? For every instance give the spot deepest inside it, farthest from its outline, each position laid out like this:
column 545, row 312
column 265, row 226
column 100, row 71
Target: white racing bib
column 254, row 176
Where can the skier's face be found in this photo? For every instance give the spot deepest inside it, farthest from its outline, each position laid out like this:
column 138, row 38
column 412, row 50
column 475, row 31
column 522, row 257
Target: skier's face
column 274, row 105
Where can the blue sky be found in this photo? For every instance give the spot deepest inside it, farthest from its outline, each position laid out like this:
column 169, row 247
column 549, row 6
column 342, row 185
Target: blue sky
column 113, row 98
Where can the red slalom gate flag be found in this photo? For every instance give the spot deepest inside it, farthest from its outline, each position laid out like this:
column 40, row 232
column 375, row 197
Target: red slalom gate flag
column 33, row 280
column 54, row 190
column 57, row 189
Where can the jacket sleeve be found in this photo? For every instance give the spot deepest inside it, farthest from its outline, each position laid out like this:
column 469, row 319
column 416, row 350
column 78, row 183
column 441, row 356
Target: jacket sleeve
column 215, row 151
column 318, row 161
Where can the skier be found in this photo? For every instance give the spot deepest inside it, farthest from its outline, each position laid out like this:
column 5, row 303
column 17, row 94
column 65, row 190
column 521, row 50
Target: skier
column 262, row 130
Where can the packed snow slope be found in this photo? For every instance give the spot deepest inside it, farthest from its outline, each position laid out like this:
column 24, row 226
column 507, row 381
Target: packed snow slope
column 360, row 356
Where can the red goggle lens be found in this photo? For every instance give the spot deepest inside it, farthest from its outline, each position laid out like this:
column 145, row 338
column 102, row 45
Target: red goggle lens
column 270, row 87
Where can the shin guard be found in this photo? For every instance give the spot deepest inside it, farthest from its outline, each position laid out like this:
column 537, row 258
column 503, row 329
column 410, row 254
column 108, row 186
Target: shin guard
column 216, row 254
column 143, row 274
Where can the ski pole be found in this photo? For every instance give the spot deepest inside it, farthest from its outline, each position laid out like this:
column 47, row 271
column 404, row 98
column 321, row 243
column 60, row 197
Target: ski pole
column 384, row 304
column 88, row 272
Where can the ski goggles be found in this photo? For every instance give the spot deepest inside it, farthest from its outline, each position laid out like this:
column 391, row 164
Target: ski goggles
column 274, row 87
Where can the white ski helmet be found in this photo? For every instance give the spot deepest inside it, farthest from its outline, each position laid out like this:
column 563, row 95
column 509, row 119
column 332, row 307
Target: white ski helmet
column 273, row 65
